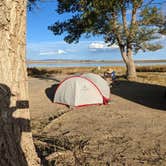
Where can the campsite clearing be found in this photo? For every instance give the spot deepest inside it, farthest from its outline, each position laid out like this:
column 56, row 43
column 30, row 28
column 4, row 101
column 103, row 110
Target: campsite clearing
column 130, row 130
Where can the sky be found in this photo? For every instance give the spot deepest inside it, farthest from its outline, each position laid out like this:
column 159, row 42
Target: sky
column 42, row 44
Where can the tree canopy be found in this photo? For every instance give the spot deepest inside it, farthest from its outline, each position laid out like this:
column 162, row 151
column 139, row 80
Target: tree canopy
column 128, row 23
column 133, row 25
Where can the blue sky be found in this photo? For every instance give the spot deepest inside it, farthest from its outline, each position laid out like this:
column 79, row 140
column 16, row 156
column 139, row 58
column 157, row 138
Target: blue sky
column 42, row 44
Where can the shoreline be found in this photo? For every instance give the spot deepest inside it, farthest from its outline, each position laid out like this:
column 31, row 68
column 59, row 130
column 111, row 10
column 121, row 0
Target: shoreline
column 90, row 63
column 54, row 61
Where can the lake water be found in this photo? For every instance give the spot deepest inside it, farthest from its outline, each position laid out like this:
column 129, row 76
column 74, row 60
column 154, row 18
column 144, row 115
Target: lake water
column 95, row 64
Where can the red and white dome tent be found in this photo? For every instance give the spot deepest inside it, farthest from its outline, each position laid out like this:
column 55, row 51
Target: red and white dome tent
column 86, row 89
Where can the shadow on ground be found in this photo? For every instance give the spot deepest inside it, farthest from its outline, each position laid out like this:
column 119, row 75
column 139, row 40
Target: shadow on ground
column 47, row 78
column 11, row 129
column 51, row 91
column 149, row 95
column 42, row 74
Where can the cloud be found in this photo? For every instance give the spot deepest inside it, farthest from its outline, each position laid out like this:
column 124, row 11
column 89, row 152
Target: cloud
column 94, row 46
column 85, row 50
column 163, row 37
column 47, row 53
column 59, row 52
column 97, row 45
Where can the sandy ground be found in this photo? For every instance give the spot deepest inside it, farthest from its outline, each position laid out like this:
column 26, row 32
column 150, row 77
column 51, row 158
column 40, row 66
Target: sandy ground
column 131, row 130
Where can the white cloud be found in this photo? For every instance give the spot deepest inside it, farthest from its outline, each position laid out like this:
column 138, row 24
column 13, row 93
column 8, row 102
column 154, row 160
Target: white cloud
column 114, row 46
column 163, row 37
column 160, row 40
column 99, row 45
column 95, row 50
column 47, row 53
column 59, row 52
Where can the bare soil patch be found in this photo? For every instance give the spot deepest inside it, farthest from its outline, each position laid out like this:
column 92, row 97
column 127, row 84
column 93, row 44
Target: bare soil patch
column 131, row 130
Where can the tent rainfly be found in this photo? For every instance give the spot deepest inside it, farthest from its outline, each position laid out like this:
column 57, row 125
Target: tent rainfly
column 86, row 89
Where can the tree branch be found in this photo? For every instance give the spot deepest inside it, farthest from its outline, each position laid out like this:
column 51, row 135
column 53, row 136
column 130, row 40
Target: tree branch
column 133, row 21
column 115, row 29
column 133, row 17
column 124, row 19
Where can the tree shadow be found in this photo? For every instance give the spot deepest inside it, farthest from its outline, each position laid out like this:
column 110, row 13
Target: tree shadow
column 11, row 129
column 51, row 91
column 47, row 78
column 149, row 95
column 43, row 74
column 33, row 72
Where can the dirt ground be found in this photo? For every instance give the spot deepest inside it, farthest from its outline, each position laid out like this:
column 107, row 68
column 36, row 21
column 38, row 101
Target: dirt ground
column 130, row 131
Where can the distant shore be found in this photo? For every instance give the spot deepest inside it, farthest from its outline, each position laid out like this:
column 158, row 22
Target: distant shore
column 53, row 61
column 89, row 63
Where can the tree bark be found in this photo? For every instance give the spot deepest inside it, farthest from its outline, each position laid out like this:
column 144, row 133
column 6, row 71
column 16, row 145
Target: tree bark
column 16, row 143
column 131, row 71
column 129, row 62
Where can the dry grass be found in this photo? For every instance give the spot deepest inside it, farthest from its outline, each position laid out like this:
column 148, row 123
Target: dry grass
column 72, row 70
column 146, row 74
column 156, row 68
column 123, row 133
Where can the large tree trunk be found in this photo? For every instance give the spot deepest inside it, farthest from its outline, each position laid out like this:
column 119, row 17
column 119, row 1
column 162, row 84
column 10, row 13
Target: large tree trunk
column 16, row 144
column 131, row 70
column 129, row 62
